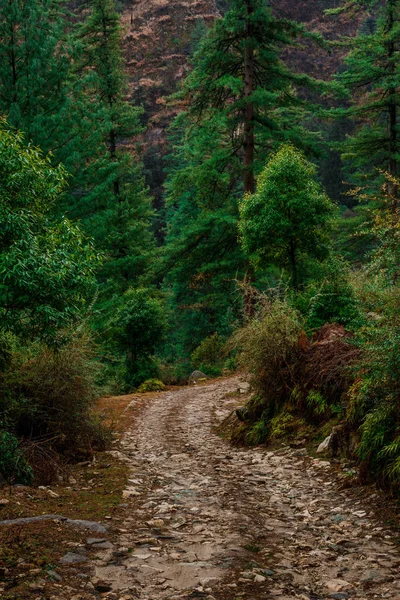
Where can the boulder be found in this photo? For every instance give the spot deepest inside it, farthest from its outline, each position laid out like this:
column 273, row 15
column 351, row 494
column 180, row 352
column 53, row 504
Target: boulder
column 325, row 445
column 72, row 559
column 197, row 377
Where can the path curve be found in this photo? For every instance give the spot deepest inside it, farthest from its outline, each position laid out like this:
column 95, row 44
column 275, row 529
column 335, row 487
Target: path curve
column 207, row 520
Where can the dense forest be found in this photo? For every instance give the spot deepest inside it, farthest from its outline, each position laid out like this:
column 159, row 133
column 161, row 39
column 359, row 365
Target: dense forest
column 223, row 195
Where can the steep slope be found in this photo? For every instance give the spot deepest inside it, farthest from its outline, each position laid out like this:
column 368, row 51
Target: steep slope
column 158, row 41
column 159, row 38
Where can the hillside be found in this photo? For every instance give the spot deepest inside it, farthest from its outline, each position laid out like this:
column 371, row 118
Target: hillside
column 159, row 38
column 160, row 33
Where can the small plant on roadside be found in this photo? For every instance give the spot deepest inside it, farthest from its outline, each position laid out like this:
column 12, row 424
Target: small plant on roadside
column 317, row 403
column 151, row 385
column 13, row 464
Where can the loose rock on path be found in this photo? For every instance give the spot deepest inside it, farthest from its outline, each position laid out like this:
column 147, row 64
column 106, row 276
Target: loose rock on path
column 207, row 520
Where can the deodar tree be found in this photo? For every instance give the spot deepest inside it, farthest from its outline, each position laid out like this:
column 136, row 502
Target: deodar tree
column 286, row 222
column 372, row 78
column 239, row 104
column 115, row 207
column 240, row 75
column 34, row 66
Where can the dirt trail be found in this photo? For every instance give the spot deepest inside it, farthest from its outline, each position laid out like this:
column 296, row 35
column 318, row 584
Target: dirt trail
column 206, row 520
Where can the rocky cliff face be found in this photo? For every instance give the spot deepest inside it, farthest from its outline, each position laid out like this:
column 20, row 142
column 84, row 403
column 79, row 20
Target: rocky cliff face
column 159, row 35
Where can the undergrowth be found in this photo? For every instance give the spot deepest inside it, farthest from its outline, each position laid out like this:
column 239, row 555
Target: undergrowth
column 46, row 402
column 328, row 379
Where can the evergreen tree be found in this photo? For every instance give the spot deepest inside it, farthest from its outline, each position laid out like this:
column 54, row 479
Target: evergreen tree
column 202, row 255
column 287, row 220
column 372, row 79
column 34, row 70
column 240, row 104
column 239, row 73
column 110, row 195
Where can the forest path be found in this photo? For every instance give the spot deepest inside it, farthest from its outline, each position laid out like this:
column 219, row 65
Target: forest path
column 207, row 520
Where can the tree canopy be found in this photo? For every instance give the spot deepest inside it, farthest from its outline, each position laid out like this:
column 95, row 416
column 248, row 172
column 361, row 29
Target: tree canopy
column 47, row 266
column 288, row 218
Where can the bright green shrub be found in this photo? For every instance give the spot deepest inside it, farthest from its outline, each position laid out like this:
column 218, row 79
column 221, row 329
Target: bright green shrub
column 151, row 385
column 288, row 219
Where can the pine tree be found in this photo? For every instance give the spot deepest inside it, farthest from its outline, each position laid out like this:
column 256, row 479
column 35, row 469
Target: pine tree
column 110, row 195
column 239, row 104
column 372, row 79
column 238, row 73
column 34, row 70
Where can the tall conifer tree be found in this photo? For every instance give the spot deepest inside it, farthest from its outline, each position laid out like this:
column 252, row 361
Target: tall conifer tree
column 34, row 70
column 112, row 200
column 372, row 78
column 240, row 103
column 239, row 74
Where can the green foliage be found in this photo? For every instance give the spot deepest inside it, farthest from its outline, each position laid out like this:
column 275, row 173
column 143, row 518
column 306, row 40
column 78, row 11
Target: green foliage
column 13, row 465
column 202, row 256
column 138, row 328
column 329, row 297
column 282, row 424
column 374, row 397
column 289, row 217
column 49, row 394
column 206, row 168
column 109, row 194
column 300, row 383
column 34, row 67
column 316, row 403
column 385, row 257
column 371, row 79
column 151, row 385
column 257, row 434
column 216, row 86
column 209, row 355
column 46, row 266
column 268, row 346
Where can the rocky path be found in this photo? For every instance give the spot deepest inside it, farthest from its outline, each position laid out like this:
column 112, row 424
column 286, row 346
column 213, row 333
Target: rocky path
column 206, row 520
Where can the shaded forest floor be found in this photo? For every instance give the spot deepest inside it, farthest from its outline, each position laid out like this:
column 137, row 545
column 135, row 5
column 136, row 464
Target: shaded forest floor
column 190, row 516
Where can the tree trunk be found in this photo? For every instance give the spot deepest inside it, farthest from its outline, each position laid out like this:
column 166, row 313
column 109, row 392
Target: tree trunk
column 293, row 262
column 393, row 143
column 113, row 154
column 248, row 135
column 249, row 300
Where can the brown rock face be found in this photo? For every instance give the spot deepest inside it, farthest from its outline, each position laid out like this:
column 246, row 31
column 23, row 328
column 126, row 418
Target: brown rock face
column 158, row 40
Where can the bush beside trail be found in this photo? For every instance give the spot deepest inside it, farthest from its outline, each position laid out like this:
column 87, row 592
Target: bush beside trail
column 333, row 379
column 47, row 397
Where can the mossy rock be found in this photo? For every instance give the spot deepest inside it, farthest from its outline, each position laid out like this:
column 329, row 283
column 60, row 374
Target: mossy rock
column 197, row 377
